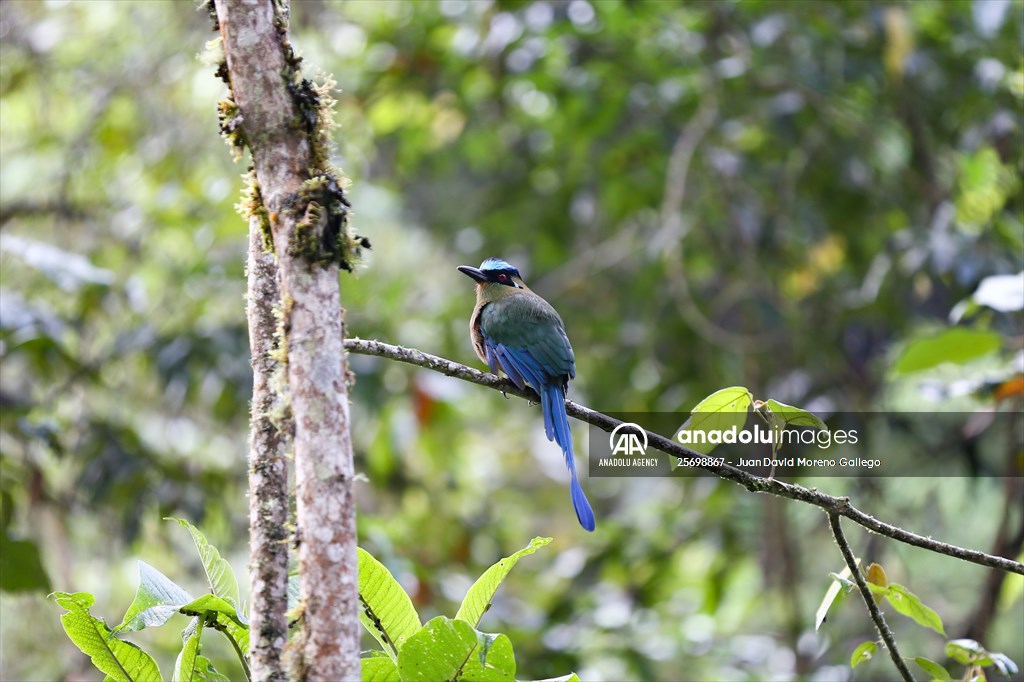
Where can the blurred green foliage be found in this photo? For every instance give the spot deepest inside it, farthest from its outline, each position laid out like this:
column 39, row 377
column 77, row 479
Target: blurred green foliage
column 852, row 173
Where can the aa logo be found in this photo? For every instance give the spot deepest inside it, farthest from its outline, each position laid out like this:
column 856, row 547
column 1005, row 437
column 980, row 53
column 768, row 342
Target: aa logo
column 628, row 439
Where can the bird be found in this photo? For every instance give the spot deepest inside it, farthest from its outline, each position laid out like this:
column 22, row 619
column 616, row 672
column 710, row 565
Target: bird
column 515, row 330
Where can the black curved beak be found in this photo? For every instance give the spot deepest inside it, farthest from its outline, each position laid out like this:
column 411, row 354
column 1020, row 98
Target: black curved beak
column 475, row 273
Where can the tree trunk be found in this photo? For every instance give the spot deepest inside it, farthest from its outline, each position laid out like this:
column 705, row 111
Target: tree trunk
column 268, row 473
column 265, row 87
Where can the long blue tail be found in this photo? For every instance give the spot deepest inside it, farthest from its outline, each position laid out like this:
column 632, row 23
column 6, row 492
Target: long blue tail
column 556, row 426
column 519, row 364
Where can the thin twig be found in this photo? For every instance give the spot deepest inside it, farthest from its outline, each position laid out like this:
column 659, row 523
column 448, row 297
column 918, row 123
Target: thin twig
column 830, row 503
column 869, row 599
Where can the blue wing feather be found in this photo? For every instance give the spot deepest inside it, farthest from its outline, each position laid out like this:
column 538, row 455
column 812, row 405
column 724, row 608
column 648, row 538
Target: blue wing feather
column 520, row 364
column 492, row 359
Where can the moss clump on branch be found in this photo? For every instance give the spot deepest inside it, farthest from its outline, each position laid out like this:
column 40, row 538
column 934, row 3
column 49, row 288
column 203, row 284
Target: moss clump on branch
column 251, row 206
column 230, row 118
column 211, row 11
column 323, row 234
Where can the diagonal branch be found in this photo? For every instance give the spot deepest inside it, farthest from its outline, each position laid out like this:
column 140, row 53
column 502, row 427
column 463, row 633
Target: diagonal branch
column 830, row 503
column 869, row 599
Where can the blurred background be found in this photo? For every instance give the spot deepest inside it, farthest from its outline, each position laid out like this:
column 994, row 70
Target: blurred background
column 782, row 195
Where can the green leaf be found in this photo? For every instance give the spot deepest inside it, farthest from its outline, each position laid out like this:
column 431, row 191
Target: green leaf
column 957, row 346
column 732, row 399
column 492, row 661
column 218, row 571
column 379, row 669
column 795, row 416
column 211, row 603
column 387, row 613
column 478, row 598
column 205, row 672
column 439, row 651
column 185, row 665
column 156, row 600
column 720, row 411
column 231, row 628
column 906, row 602
column 120, row 661
column 934, row 669
column 571, row 677
column 965, row 651
column 879, row 590
column 864, row 652
column 450, row 649
column 21, row 567
column 835, row 594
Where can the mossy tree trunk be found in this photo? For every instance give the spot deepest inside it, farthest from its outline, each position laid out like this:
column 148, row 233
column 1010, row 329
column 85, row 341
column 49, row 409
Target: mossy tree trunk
column 297, row 206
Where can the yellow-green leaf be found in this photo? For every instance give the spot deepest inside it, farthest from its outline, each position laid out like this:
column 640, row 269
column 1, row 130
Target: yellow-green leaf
column 720, row 411
column 478, row 598
column 906, row 602
column 387, row 612
column 865, row 652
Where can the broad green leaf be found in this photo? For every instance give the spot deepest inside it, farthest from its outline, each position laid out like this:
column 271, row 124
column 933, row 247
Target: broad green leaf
column 835, row 594
column 156, row 600
column 720, row 411
column 934, row 669
column 231, row 628
column 218, row 570
column 478, row 598
column 865, row 652
column 387, row 612
column 21, row 567
column 795, row 416
column 492, row 661
column 379, row 669
column 732, row 399
column 439, row 651
column 212, row 603
column 205, row 672
column 185, row 665
column 965, row 651
column 879, row 591
column 118, row 660
column 957, row 345
column 906, row 602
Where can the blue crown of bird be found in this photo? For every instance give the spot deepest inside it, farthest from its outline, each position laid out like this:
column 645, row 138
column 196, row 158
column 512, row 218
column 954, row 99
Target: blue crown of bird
column 517, row 332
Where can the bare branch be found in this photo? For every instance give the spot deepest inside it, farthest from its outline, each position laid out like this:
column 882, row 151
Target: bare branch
column 869, row 599
column 830, row 503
